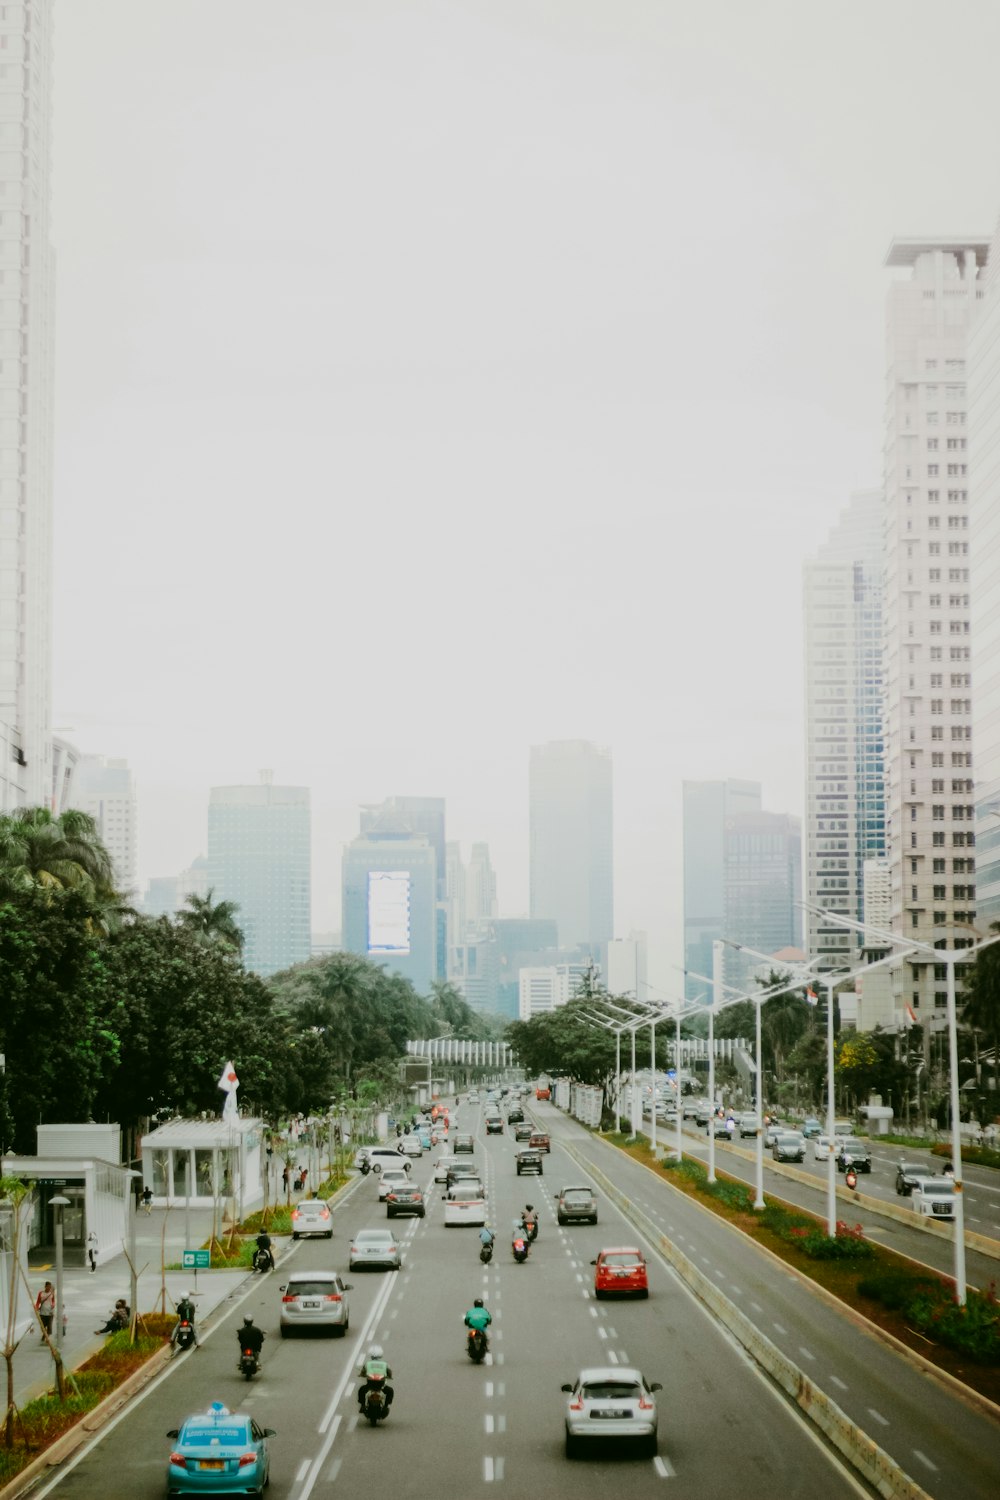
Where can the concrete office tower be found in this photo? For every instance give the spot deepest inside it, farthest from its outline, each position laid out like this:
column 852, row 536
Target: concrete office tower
column 259, row 856
column 878, row 895
column 928, row 645
column 418, row 815
column 389, row 899
column 27, row 273
column 708, row 806
column 845, row 784
column 626, row 970
column 570, row 832
column 762, row 888
column 480, row 886
column 545, row 989
column 455, row 896
column 984, row 543
column 105, row 789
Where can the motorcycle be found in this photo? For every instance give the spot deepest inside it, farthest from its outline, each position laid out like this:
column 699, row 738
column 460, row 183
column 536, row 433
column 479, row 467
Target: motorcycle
column 248, row 1364
column 374, row 1406
column 263, row 1260
column 851, row 1178
column 531, row 1230
column 477, row 1344
column 366, row 1167
column 519, row 1248
column 486, row 1253
column 185, row 1334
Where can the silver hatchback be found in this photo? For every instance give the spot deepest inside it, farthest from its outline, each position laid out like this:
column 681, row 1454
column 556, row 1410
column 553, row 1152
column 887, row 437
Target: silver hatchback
column 315, row 1299
column 611, row 1401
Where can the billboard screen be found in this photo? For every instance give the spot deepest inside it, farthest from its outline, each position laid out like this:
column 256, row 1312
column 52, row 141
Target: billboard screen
column 388, row 911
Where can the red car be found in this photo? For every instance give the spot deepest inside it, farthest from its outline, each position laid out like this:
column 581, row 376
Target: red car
column 620, row 1271
column 538, row 1141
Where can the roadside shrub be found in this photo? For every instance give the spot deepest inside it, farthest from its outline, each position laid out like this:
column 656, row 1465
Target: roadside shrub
column 692, row 1170
column 840, row 1246
column 894, row 1289
column 733, row 1194
column 929, row 1304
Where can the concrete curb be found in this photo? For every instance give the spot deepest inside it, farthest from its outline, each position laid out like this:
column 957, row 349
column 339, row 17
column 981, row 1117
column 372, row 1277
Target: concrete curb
column 851, row 1442
column 974, row 1241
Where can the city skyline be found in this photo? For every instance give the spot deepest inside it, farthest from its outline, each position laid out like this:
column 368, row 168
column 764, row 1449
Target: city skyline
column 555, row 518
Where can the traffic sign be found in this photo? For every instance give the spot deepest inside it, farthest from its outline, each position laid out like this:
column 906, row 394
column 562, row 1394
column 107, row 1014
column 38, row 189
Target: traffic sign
column 197, row 1260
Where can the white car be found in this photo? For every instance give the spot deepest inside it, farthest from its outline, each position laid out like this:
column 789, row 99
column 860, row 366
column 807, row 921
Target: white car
column 465, row 1204
column 390, row 1178
column 312, row 1216
column 386, row 1156
column 375, row 1247
column 410, row 1145
column 822, row 1149
column 934, row 1197
column 613, row 1401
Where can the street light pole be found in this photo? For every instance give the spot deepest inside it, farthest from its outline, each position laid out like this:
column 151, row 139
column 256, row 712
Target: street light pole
column 59, row 1203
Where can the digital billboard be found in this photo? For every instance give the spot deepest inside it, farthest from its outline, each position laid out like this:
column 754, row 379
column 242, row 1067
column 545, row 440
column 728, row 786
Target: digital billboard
column 388, row 911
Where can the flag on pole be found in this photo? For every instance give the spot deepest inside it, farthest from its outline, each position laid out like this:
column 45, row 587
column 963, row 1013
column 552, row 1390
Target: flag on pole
column 911, row 1019
column 229, row 1082
column 811, row 997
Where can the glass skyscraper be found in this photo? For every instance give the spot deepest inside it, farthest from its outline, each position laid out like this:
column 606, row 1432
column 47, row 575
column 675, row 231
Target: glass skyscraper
column 571, row 853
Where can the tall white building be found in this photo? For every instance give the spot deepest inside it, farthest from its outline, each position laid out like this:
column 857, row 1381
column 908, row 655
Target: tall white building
column 845, row 789
column 626, row 972
column 547, row 987
column 571, row 875
column 27, row 277
column 928, row 644
column 106, row 790
column 984, row 537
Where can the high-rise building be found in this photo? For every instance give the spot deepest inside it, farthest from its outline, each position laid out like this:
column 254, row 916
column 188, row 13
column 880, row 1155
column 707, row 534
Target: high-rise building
column 845, row 784
column 984, row 541
column 928, row 643
column 762, row 882
column 626, row 970
column 480, row 886
column 259, row 855
column 545, row 989
column 105, row 789
column 389, row 899
column 571, row 851
column 708, row 807
column 26, row 379
column 420, row 815
column 167, row 894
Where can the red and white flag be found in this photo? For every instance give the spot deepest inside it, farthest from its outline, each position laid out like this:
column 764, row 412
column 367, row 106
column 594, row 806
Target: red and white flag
column 229, row 1082
column 811, row 997
column 911, row 1019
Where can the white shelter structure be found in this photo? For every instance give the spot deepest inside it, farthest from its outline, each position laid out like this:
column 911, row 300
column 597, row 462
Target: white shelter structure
column 203, row 1161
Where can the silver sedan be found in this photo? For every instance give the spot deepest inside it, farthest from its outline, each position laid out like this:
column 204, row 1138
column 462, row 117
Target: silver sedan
column 611, row 1401
column 375, row 1247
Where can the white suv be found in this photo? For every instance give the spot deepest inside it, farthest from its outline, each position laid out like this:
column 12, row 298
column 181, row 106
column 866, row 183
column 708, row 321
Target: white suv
column 386, row 1156
column 934, row 1197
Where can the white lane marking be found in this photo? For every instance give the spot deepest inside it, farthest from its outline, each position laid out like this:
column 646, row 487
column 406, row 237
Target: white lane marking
column 579, row 1275
column 303, row 1470
column 594, row 1311
column 804, row 1351
column 925, row 1460
column 834, row 1380
column 501, row 1388
column 499, row 1359
column 333, row 1470
column 882, row 1421
column 756, row 1307
column 664, row 1468
column 737, row 1289
column 488, row 1422
column 782, row 1331
column 501, row 1423
column 488, row 1469
column 602, row 1333
column 612, row 1356
column 499, row 1468
column 489, row 1388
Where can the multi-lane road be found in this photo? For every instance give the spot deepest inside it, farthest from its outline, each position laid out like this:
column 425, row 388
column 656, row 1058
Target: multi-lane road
column 457, row 1429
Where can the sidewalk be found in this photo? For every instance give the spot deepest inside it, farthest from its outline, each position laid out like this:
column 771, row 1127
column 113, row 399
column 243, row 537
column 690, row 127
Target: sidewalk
column 89, row 1296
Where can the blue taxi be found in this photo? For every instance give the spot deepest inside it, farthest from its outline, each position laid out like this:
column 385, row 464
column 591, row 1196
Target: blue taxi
column 219, row 1451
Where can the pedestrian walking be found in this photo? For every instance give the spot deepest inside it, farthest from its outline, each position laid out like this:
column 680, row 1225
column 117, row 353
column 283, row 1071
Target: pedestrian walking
column 147, row 1199
column 302, row 1178
column 284, row 1179
column 45, row 1306
column 92, row 1249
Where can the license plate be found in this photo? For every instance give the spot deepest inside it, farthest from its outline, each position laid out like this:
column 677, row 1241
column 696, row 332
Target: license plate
column 311, row 1306
column 615, row 1415
column 211, row 1463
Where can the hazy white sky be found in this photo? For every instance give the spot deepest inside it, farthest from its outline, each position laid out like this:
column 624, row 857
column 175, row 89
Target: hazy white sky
column 438, row 377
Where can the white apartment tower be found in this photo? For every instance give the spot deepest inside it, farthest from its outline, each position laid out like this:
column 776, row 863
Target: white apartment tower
column 27, row 276
column 928, row 694
column 106, row 790
column 984, row 525
column 845, row 791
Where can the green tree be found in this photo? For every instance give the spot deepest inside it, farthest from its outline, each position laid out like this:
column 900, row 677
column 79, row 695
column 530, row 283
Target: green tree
column 38, row 849
column 212, row 922
column 981, row 1000
column 563, row 1042
column 54, row 1027
column 856, row 1063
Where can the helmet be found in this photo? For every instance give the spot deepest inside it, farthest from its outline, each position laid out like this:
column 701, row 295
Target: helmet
column 376, row 1352
column 248, row 1322
column 529, row 1208
column 478, row 1302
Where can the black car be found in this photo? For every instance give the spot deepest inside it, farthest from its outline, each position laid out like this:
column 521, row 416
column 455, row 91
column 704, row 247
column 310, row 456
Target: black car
column 529, row 1161
column 404, row 1200
column 515, row 1115
column 907, row 1174
column 856, row 1155
column 576, row 1205
column 463, row 1144
column 494, row 1125
column 523, row 1132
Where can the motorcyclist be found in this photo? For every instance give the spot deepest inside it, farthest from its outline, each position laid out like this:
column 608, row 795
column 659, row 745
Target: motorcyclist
column 185, row 1314
column 375, row 1364
column 264, row 1243
column 486, row 1236
column 251, row 1337
column 529, row 1218
column 478, row 1317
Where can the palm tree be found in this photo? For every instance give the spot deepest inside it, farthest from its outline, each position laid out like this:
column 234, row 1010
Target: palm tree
column 212, row 923
column 41, row 851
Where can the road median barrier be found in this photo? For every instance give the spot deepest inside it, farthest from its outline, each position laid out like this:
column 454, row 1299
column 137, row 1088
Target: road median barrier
column 875, row 1466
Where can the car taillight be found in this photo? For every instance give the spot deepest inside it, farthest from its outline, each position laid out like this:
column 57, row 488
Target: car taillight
column 288, row 1297
column 332, row 1297
column 178, row 1460
column 247, row 1458
column 576, row 1405
column 645, row 1405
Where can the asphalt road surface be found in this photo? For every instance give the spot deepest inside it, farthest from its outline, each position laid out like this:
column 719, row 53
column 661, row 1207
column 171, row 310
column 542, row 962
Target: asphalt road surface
column 457, row 1429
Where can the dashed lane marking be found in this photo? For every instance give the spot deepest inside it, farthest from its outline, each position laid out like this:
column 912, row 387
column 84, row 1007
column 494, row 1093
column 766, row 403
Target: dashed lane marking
column 925, row 1460
column 882, row 1421
column 303, row 1470
column 664, row 1468
column 782, row 1331
column 806, row 1354
column 841, row 1385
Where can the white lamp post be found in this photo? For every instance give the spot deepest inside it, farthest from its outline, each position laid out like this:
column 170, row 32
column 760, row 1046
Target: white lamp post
column 950, row 957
